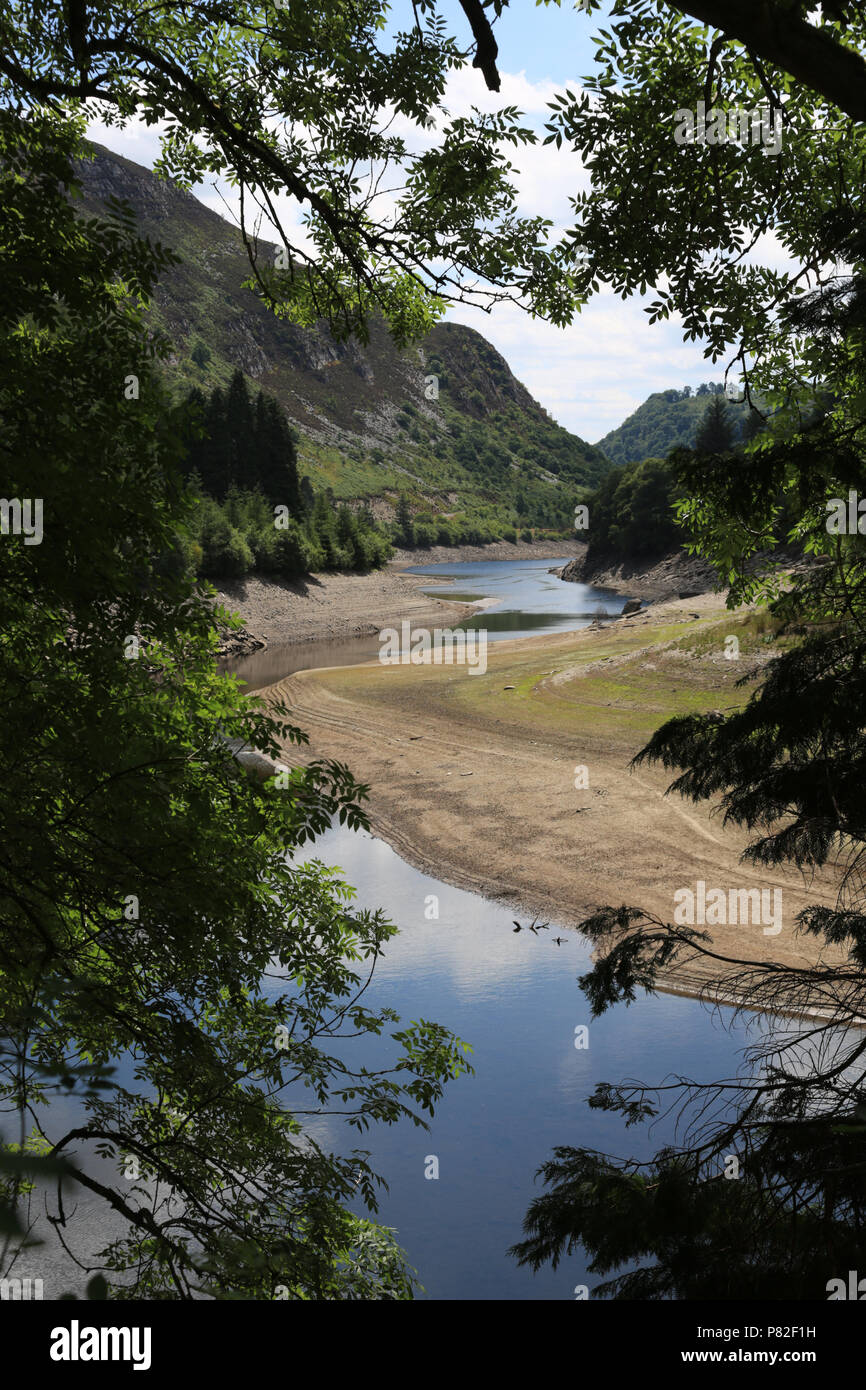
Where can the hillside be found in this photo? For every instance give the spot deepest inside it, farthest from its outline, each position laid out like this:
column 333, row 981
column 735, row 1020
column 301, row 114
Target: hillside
column 666, row 419
column 365, row 428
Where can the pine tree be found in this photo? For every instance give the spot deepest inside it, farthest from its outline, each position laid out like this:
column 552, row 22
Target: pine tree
column 275, row 456
column 215, row 467
column 716, row 432
column 308, row 497
column 239, row 432
column 406, row 531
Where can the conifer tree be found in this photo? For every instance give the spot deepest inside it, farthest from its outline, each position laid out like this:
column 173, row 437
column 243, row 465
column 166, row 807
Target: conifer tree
column 274, row 458
column 716, row 431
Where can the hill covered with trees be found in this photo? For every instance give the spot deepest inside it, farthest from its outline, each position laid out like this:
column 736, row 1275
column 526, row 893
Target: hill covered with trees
column 444, row 423
column 666, row 420
column 632, row 511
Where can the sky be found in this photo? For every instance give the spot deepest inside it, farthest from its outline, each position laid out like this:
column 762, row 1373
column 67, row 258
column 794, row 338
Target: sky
column 593, row 374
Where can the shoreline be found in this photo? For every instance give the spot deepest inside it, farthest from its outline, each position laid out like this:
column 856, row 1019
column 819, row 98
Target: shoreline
column 336, row 607
column 471, row 781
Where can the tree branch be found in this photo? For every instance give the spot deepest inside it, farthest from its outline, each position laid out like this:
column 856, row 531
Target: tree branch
column 486, row 47
column 811, row 55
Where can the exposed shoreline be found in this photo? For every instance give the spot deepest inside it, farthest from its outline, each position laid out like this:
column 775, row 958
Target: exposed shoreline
column 472, row 779
column 340, row 606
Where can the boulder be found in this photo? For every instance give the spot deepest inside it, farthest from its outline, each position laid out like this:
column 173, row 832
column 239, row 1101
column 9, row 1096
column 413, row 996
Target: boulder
column 633, row 606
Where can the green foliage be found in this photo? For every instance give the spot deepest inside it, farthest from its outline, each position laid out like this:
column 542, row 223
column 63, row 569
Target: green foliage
column 480, row 461
column 244, row 534
column 665, row 421
column 716, row 431
column 244, row 444
column 216, row 77
column 147, row 882
column 787, row 769
column 631, row 513
column 405, row 531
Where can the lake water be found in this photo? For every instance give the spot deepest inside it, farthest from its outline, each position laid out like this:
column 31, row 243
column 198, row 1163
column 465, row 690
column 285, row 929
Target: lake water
column 526, row 599
column 514, row 997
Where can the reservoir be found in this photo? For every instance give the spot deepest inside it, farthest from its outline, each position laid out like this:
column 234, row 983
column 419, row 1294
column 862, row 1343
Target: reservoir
column 521, row 597
column 513, row 996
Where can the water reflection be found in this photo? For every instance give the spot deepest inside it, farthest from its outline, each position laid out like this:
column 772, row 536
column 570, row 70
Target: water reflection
column 515, row 998
column 526, row 599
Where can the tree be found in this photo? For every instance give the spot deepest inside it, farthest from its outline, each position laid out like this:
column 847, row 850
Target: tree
column 276, row 470
column 307, row 495
column 243, row 444
column 403, row 519
column 147, row 883
column 235, row 86
column 716, row 431
column 239, row 435
column 788, row 766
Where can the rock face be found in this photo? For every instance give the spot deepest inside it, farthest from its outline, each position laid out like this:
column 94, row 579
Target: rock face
column 372, row 398
column 656, row 579
column 259, row 765
column 573, row 571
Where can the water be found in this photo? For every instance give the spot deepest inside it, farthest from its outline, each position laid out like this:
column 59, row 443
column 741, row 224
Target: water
column 525, row 600
column 514, row 997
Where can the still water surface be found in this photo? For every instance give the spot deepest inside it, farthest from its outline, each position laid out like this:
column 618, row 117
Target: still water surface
column 515, row 998
column 525, row 599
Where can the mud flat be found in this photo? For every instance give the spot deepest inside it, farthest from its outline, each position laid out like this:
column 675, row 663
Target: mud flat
column 472, row 777
column 336, row 607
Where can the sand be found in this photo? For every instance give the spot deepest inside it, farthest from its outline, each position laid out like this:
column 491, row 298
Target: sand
column 474, row 782
column 328, row 607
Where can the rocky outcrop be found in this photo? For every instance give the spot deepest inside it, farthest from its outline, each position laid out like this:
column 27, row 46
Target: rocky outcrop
column 239, row 642
column 659, row 578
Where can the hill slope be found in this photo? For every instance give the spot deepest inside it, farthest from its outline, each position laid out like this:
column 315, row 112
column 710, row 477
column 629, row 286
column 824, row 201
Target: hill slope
column 365, row 427
column 666, row 419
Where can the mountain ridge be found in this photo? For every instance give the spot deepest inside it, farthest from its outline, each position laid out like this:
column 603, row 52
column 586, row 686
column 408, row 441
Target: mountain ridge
column 365, row 426
column 665, row 420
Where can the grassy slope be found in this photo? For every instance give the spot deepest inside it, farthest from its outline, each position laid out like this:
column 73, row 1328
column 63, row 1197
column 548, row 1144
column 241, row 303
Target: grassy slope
column 365, row 428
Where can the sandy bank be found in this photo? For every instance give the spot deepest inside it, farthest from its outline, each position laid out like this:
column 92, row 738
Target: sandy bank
column 328, row 607
column 472, row 778
column 333, row 607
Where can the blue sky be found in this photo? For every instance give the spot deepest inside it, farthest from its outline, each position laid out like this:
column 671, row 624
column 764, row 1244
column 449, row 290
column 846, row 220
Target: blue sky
column 591, row 375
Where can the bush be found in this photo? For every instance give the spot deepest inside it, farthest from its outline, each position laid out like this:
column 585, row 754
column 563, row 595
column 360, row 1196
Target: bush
column 226, row 552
